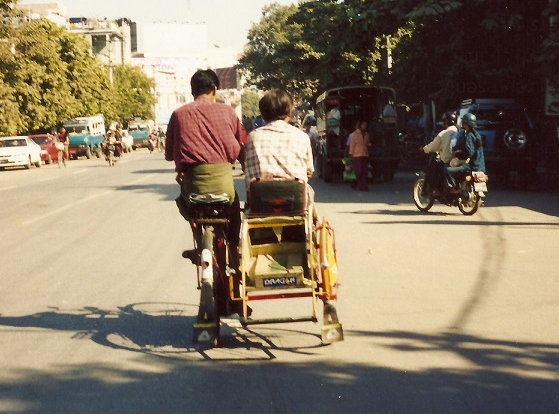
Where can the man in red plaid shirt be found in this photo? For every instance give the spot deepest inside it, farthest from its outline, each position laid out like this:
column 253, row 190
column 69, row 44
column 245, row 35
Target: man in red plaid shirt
column 204, row 139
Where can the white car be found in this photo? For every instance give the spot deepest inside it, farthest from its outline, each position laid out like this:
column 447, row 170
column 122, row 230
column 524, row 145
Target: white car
column 19, row 151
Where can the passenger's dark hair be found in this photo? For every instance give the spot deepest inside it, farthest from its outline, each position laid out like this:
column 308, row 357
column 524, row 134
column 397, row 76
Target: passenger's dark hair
column 203, row 82
column 275, row 104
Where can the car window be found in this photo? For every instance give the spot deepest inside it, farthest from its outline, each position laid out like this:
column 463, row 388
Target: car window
column 14, row 143
column 40, row 140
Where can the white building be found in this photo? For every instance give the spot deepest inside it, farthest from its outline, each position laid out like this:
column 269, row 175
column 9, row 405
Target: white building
column 55, row 12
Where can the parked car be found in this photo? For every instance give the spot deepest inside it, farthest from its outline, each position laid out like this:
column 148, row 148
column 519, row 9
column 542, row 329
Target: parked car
column 140, row 131
column 19, row 151
column 509, row 136
column 49, row 153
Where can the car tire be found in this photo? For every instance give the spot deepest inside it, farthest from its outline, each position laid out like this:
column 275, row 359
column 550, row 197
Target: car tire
column 87, row 153
column 38, row 163
column 48, row 160
column 28, row 165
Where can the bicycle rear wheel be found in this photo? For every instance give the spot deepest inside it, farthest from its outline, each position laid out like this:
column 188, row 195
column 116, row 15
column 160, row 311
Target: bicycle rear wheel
column 206, row 328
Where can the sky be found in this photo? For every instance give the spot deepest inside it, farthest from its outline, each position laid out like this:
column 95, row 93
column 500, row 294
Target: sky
column 228, row 21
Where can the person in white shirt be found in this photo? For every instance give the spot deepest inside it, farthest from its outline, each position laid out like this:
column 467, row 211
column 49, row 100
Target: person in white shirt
column 441, row 145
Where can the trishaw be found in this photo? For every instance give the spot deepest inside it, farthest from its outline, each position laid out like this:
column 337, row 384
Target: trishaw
column 284, row 253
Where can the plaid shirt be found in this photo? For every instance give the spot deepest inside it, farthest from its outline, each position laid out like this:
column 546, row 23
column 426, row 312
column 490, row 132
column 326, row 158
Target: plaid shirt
column 278, row 150
column 203, row 132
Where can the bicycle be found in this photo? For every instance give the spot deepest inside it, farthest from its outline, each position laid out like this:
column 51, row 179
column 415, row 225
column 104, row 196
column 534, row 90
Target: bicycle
column 283, row 253
column 211, row 255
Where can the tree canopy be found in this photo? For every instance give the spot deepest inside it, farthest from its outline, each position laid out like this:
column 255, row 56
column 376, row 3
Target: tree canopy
column 47, row 75
column 445, row 50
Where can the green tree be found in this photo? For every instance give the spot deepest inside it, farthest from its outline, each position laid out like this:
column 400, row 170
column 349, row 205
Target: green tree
column 445, row 50
column 38, row 76
column 51, row 78
column 87, row 78
column 249, row 103
column 452, row 50
column 10, row 122
column 264, row 63
column 308, row 48
column 134, row 96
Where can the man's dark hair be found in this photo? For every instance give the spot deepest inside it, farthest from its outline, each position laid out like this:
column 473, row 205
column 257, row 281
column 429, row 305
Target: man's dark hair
column 275, row 104
column 203, row 82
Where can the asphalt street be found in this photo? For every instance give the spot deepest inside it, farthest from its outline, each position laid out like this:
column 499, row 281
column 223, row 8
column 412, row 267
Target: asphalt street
column 442, row 313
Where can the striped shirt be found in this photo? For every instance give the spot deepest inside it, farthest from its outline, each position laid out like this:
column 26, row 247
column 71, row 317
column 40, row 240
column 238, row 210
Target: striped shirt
column 278, row 150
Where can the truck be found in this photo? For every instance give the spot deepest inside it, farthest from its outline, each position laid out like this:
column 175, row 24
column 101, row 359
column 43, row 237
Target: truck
column 373, row 104
column 86, row 134
column 140, row 129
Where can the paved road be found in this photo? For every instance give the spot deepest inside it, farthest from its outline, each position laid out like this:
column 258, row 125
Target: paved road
column 442, row 313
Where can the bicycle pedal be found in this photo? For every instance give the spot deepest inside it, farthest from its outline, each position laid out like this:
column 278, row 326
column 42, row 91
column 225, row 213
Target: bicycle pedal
column 192, row 255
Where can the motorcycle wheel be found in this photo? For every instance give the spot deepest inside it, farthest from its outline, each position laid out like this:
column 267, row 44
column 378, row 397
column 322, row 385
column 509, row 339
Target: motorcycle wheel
column 471, row 207
column 422, row 202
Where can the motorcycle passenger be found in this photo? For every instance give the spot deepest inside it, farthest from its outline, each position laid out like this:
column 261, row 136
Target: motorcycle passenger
column 469, row 148
column 440, row 145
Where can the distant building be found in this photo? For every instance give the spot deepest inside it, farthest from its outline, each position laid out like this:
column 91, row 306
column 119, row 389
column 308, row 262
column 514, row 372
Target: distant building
column 171, row 53
column 55, row 12
column 110, row 41
column 176, row 40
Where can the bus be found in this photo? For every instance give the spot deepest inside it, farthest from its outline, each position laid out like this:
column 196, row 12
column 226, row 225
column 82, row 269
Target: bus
column 86, row 134
column 374, row 104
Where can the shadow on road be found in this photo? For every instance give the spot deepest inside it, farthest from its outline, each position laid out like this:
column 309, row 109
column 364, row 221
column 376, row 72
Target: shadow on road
column 399, row 192
column 502, row 376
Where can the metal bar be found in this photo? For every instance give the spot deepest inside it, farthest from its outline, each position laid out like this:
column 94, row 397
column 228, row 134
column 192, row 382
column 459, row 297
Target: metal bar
column 246, row 322
column 280, row 296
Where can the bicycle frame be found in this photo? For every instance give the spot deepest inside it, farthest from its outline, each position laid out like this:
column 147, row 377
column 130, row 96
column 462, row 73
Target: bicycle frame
column 209, row 227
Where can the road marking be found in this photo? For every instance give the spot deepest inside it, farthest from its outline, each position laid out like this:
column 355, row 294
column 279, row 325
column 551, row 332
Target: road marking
column 47, row 179
column 80, row 201
column 80, row 171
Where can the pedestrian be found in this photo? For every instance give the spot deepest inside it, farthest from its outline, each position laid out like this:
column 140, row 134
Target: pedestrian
column 359, row 152
column 64, row 137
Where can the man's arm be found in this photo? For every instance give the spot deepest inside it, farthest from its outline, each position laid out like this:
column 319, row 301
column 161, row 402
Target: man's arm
column 169, row 139
column 433, row 146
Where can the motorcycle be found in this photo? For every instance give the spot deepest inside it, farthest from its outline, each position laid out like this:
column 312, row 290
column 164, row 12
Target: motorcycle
column 112, row 153
column 468, row 199
column 152, row 143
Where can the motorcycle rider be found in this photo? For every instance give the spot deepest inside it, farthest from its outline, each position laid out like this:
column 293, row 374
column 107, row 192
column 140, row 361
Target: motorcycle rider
column 441, row 146
column 469, row 147
column 112, row 139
